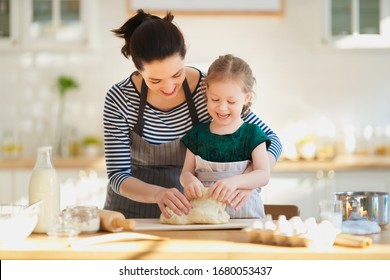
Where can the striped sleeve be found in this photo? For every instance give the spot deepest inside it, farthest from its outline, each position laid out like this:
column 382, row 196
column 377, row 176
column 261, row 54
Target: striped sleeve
column 276, row 146
column 116, row 136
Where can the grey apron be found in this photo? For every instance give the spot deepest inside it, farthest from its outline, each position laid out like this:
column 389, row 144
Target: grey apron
column 208, row 172
column 154, row 164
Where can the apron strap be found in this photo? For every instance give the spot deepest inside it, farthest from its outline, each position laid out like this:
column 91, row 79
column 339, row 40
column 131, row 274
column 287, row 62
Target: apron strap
column 190, row 102
column 139, row 127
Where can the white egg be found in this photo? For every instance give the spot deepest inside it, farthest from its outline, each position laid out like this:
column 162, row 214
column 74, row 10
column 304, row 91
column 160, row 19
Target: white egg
column 298, row 225
column 258, row 224
column 284, row 227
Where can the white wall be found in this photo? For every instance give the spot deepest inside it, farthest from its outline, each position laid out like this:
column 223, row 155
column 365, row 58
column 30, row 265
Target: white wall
column 298, row 76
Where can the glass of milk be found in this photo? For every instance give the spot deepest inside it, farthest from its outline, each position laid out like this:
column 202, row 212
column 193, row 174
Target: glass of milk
column 332, row 211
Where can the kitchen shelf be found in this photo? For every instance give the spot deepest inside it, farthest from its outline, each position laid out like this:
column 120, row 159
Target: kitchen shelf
column 341, row 162
column 59, row 163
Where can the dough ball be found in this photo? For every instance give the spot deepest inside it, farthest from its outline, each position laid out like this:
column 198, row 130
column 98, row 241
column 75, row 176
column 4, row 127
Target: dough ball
column 204, row 210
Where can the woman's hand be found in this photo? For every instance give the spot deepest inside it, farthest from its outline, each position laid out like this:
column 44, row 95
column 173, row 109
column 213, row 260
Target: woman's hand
column 173, row 199
column 239, row 198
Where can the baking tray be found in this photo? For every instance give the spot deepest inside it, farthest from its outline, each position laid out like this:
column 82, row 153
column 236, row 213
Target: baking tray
column 156, row 225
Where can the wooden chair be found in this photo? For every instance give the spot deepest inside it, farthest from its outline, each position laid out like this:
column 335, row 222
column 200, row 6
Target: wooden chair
column 281, row 209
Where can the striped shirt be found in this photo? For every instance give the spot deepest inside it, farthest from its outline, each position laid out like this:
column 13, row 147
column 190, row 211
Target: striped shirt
column 121, row 114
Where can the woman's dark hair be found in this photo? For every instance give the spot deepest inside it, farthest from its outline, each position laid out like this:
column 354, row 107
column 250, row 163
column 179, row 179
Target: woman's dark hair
column 148, row 38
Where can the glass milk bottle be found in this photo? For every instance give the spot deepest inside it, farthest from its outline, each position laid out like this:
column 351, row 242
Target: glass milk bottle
column 44, row 186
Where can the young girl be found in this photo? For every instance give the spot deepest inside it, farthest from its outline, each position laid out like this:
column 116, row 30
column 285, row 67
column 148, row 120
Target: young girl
column 220, row 151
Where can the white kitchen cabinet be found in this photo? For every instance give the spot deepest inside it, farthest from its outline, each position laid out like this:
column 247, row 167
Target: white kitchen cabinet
column 357, row 23
column 363, row 181
column 45, row 24
column 83, row 187
column 78, row 187
column 21, row 180
column 306, row 189
column 6, row 189
column 299, row 188
column 9, row 32
column 14, row 186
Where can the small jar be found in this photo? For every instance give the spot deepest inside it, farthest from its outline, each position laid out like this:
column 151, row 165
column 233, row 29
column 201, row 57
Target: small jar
column 86, row 218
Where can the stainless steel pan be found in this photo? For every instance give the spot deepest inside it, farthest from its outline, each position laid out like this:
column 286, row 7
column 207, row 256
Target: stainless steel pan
column 372, row 205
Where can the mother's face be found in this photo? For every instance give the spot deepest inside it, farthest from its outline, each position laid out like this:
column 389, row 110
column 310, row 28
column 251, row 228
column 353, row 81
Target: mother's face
column 165, row 77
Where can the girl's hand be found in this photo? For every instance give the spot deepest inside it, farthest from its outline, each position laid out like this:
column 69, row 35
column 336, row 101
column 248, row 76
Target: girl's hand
column 222, row 190
column 173, row 199
column 239, row 198
column 193, row 189
column 192, row 185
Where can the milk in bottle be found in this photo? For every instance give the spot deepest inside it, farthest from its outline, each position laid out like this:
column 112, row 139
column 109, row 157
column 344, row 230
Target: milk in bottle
column 44, row 186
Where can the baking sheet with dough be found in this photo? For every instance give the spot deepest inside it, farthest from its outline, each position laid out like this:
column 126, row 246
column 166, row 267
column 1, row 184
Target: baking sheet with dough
column 155, row 224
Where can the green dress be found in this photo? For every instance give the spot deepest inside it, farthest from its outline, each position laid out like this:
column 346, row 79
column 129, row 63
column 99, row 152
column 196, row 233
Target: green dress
column 237, row 146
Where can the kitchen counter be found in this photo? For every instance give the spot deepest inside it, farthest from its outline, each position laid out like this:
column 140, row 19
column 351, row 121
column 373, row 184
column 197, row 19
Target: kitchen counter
column 186, row 245
column 341, row 162
column 59, row 163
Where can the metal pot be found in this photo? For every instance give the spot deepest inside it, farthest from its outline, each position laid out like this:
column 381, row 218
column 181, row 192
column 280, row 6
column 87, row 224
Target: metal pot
column 372, row 205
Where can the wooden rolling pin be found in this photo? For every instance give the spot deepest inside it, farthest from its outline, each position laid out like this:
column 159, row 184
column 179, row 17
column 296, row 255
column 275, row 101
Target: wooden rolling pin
column 355, row 241
column 115, row 221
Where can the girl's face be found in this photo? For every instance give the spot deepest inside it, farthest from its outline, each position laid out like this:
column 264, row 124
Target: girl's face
column 225, row 100
column 165, row 77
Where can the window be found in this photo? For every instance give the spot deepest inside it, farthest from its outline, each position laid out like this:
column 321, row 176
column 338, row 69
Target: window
column 56, row 20
column 8, row 16
column 270, row 7
column 358, row 23
column 44, row 23
column 5, row 19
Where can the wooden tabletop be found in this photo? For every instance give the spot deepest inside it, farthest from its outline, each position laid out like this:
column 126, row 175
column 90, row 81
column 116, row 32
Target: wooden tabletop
column 184, row 245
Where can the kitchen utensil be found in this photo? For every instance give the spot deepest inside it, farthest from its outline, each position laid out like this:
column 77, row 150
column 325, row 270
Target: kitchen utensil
column 33, row 207
column 373, row 206
column 64, row 227
column 156, row 225
column 113, row 237
column 115, row 221
column 348, row 240
column 16, row 222
column 85, row 218
column 332, row 211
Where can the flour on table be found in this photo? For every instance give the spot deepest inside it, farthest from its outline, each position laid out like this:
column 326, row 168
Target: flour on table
column 204, row 210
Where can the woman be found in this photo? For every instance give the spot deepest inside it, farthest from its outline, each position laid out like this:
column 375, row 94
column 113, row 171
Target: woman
column 145, row 116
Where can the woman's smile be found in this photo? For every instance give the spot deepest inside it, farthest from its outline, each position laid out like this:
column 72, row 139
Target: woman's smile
column 169, row 93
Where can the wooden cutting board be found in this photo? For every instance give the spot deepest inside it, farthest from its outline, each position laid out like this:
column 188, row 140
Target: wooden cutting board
column 155, row 224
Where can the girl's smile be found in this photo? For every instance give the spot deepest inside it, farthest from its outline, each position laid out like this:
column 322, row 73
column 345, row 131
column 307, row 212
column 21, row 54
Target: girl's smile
column 223, row 116
column 225, row 100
